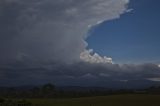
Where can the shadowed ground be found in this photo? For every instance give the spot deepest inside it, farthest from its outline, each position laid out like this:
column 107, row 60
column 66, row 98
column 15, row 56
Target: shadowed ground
column 114, row 100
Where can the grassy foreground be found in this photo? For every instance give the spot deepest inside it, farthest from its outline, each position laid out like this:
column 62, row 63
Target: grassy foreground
column 114, row 100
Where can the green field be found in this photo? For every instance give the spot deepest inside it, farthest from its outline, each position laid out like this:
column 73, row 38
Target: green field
column 114, row 100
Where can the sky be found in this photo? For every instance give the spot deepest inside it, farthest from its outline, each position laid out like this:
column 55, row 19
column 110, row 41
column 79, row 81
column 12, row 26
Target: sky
column 133, row 38
column 111, row 43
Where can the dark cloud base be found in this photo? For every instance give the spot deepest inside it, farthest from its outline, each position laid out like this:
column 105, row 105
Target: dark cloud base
column 81, row 74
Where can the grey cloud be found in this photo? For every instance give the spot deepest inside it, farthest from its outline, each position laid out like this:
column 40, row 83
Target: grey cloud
column 51, row 30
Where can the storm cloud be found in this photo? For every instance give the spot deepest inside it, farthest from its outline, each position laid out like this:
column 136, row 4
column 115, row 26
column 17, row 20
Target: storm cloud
column 44, row 41
column 51, row 30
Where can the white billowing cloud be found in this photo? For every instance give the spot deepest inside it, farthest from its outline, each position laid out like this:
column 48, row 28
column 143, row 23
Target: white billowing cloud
column 159, row 65
column 52, row 30
column 91, row 57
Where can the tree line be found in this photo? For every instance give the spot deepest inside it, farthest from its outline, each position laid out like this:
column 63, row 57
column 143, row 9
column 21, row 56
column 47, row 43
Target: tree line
column 51, row 91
